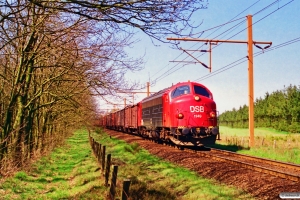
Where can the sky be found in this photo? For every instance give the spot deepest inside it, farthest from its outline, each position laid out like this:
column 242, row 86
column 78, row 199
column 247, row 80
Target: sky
column 273, row 21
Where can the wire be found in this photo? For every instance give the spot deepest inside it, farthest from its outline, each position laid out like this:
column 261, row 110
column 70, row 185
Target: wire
column 220, row 70
column 167, row 73
column 230, row 21
column 174, row 69
column 268, row 6
column 274, row 11
column 244, row 59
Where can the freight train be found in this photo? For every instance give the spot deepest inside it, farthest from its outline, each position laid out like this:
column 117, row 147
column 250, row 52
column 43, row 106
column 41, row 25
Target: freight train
column 184, row 114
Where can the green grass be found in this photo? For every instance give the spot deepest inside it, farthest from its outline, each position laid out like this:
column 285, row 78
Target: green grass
column 154, row 178
column 71, row 172
column 269, row 143
column 242, row 132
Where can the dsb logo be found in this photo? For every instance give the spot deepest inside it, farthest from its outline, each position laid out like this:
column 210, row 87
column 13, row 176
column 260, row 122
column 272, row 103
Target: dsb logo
column 197, row 108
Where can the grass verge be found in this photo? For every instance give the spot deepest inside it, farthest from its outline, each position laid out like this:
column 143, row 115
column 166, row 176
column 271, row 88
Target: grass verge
column 67, row 173
column 269, row 143
column 71, row 172
column 154, row 178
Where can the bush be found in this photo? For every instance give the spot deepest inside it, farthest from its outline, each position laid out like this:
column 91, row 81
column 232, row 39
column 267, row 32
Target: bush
column 294, row 127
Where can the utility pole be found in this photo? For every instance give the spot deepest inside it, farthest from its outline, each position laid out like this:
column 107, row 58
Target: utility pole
column 250, row 82
column 132, row 92
column 250, row 43
column 148, row 89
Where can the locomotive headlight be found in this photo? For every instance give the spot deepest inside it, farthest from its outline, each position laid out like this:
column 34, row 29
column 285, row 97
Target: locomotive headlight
column 180, row 116
column 212, row 114
column 197, row 98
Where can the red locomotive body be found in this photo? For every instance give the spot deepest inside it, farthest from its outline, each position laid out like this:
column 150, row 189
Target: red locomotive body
column 184, row 114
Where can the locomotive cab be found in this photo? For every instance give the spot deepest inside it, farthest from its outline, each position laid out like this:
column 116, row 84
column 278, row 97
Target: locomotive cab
column 191, row 114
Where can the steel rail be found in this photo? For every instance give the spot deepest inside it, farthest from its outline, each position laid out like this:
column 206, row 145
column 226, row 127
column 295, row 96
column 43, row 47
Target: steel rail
column 266, row 170
column 285, row 175
column 265, row 160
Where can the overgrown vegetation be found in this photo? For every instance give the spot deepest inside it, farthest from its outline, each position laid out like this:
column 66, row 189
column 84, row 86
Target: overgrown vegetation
column 72, row 172
column 56, row 56
column 154, row 178
column 279, row 110
column 68, row 172
column 269, row 143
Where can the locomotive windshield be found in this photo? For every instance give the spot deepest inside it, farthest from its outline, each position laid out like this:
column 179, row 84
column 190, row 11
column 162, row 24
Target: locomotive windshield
column 185, row 89
column 201, row 91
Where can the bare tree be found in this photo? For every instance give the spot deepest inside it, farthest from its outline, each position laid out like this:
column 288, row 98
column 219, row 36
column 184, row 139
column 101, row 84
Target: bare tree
column 56, row 55
column 156, row 18
column 51, row 66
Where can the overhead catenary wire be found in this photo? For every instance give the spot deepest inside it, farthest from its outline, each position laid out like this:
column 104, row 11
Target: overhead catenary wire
column 170, row 72
column 244, row 59
column 167, row 73
column 253, row 23
column 219, row 26
column 256, row 54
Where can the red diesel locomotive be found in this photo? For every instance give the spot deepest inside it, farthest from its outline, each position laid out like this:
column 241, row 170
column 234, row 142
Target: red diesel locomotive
column 184, row 114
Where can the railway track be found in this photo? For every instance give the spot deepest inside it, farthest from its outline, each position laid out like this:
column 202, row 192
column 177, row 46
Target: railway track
column 276, row 168
column 252, row 176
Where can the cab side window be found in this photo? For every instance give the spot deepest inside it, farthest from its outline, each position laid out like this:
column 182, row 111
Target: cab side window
column 185, row 89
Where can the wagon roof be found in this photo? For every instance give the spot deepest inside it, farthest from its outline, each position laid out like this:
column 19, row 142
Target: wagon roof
column 156, row 95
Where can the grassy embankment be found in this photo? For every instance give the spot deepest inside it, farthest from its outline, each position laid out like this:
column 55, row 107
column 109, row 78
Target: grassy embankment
column 269, row 143
column 68, row 172
column 71, row 172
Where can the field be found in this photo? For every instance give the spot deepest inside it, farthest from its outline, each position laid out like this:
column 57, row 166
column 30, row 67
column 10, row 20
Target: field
column 269, row 143
column 72, row 172
column 68, row 172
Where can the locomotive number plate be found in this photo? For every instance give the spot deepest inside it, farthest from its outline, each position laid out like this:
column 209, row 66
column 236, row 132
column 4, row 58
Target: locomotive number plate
column 197, row 116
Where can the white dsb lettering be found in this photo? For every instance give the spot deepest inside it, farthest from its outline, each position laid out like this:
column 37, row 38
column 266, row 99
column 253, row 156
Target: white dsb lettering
column 196, row 108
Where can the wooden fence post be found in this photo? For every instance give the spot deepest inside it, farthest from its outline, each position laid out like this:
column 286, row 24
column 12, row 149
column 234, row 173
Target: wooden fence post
column 90, row 138
column 96, row 149
column 93, row 145
column 100, row 154
column 108, row 163
column 242, row 142
column 262, row 141
column 103, row 157
column 112, row 190
column 125, row 191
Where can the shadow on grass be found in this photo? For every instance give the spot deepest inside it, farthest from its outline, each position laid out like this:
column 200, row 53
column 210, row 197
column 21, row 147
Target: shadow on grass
column 141, row 190
column 229, row 147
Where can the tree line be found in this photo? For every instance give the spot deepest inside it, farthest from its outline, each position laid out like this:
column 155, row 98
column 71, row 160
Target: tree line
column 279, row 110
column 57, row 56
